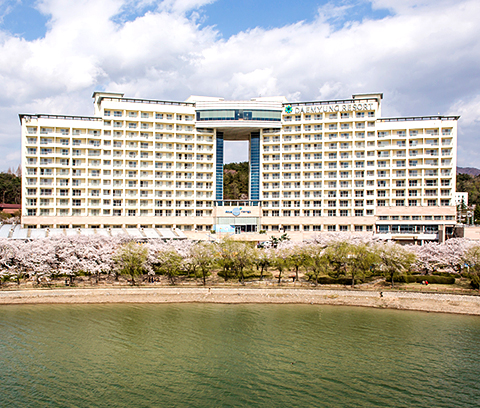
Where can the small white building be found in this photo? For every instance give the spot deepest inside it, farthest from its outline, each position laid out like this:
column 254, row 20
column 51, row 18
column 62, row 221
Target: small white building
column 461, row 198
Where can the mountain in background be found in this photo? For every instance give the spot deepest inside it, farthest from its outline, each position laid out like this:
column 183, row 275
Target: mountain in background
column 471, row 171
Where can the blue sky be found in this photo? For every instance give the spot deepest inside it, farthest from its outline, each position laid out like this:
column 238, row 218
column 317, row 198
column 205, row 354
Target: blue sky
column 422, row 54
column 232, row 17
column 22, row 18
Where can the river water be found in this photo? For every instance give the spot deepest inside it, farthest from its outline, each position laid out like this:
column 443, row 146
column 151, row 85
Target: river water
column 204, row 355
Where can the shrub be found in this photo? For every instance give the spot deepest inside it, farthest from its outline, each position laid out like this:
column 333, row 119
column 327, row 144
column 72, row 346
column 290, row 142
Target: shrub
column 443, row 280
column 327, row 280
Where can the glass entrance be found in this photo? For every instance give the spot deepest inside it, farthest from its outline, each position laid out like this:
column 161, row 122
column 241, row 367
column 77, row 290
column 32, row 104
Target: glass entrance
column 245, row 228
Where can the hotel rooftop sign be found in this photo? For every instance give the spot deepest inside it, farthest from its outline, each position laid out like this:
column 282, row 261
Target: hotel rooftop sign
column 335, row 107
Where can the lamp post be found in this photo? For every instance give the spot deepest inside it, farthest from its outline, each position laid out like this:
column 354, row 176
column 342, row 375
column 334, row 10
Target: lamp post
column 469, row 217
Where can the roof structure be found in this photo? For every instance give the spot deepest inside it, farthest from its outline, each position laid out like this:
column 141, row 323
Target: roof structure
column 10, row 231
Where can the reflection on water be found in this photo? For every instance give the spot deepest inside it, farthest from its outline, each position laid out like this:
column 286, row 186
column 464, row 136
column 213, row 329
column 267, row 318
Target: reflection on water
column 204, row 355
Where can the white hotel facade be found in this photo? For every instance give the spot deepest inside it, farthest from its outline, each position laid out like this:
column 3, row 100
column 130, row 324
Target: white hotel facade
column 314, row 166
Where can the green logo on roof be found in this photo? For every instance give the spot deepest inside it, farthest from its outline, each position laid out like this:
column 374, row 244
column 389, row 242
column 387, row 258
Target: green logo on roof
column 288, row 109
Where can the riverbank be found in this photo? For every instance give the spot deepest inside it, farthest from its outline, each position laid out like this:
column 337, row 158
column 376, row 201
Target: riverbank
column 429, row 302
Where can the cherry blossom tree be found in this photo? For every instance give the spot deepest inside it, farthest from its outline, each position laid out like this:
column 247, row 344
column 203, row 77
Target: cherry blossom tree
column 317, row 261
column 296, row 255
column 262, row 259
column 280, row 261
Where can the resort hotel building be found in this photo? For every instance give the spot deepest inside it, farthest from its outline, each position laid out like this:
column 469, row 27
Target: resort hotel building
column 334, row 165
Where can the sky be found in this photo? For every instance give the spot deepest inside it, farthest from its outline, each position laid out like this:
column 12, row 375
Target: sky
column 424, row 55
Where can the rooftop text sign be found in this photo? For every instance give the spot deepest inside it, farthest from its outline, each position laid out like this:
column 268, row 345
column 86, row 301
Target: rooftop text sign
column 343, row 107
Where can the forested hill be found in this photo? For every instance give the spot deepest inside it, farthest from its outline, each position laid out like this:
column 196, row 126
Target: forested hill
column 235, row 181
column 471, row 185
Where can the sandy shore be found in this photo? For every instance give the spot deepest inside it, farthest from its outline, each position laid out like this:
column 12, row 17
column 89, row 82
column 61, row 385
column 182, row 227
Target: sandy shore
column 445, row 303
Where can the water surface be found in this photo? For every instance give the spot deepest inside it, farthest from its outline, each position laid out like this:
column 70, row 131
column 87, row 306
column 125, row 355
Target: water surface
column 204, row 355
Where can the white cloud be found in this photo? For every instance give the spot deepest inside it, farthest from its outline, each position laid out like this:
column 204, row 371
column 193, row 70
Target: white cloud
column 424, row 56
column 182, row 6
column 235, row 151
column 469, row 110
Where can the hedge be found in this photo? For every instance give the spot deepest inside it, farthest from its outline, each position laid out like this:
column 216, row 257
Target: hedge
column 445, row 280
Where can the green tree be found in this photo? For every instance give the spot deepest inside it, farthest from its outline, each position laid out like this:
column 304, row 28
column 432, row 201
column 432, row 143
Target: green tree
column 317, row 262
column 242, row 258
column 262, row 259
column 395, row 261
column 169, row 263
column 225, row 251
column 10, row 188
column 203, row 256
column 472, row 260
column 476, row 214
column 280, row 262
column 338, row 255
column 297, row 257
column 362, row 258
column 131, row 259
column 282, row 238
column 4, row 216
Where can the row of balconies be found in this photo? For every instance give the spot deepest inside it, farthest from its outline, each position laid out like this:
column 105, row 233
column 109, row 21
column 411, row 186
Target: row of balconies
column 89, row 150
column 106, row 137
column 319, row 135
column 32, row 176
column 323, row 165
column 196, row 185
column 189, row 191
column 329, row 126
column 118, row 179
column 115, row 207
column 331, row 156
column 319, row 160
column 297, row 186
column 391, row 192
column 148, row 115
column 306, row 210
column 81, row 139
column 79, row 163
column 118, row 213
column 343, row 174
column 129, row 161
column 297, row 146
column 380, row 203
